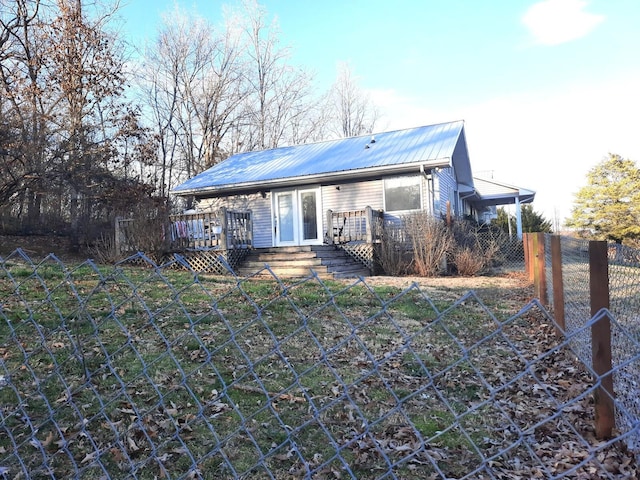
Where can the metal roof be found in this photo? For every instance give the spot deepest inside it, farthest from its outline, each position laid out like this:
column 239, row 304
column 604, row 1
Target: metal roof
column 354, row 157
column 492, row 192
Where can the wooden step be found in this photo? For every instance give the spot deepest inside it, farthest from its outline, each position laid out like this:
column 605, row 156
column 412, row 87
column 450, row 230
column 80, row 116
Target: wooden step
column 305, row 262
column 325, row 260
column 284, row 272
column 268, row 257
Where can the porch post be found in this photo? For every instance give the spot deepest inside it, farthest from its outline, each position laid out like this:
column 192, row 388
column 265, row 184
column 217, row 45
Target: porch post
column 518, row 219
column 368, row 215
column 330, row 227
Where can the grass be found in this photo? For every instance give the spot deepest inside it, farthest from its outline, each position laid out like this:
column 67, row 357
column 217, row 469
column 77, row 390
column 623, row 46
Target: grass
column 160, row 374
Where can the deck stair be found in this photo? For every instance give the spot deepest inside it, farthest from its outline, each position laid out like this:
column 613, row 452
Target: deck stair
column 326, row 260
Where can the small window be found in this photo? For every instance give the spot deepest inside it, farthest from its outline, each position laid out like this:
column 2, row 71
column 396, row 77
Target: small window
column 436, row 194
column 402, row 193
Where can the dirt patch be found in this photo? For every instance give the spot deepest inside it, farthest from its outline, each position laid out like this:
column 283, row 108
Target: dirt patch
column 514, row 280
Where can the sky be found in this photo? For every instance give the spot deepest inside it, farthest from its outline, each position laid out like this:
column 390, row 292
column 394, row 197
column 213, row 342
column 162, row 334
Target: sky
column 547, row 89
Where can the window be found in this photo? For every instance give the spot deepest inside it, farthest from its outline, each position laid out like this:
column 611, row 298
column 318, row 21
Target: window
column 402, row 193
column 436, row 193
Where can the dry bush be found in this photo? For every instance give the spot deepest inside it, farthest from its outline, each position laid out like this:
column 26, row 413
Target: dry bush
column 103, row 250
column 474, row 250
column 392, row 253
column 148, row 234
column 468, row 262
column 431, row 241
column 423, row 245
column 144, row 230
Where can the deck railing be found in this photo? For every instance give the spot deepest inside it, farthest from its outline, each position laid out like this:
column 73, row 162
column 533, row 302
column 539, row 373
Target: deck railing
column 224, row 230
column 354, row 226
column 218, row 230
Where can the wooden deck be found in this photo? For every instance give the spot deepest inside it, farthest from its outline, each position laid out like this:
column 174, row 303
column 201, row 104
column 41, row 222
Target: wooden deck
column 217, row 241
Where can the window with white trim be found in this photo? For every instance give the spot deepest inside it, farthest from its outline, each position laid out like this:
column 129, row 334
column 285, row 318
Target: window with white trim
column 402, row 193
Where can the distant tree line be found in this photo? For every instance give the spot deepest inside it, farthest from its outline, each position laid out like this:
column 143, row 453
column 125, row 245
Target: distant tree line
column 86, row 133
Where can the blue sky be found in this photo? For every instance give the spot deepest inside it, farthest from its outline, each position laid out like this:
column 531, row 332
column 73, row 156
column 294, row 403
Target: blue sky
column 546, row 88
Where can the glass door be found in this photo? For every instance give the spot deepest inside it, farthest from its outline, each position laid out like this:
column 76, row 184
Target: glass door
column 284, row 219
column 310, row 225
column 297, row 217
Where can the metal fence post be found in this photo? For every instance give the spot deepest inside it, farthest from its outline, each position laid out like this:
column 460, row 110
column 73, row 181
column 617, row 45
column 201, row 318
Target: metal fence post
column 558, row 286
column 601, row 339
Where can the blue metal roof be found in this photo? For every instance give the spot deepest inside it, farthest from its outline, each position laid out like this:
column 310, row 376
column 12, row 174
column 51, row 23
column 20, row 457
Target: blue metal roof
column 431, row 145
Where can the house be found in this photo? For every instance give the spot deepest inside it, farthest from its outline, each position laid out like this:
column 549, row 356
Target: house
column 334, row 191
column 490, row 193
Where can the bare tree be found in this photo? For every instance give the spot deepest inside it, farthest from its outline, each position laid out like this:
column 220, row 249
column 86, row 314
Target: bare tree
column 63, row 97
column 87, row 74
column 193, row 82
column 215, row 91
column 279, row 108
column 352, row 109
column 25, row 108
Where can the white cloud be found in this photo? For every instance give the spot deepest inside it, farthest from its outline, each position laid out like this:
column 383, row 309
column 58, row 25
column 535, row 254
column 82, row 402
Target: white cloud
column 552, row 22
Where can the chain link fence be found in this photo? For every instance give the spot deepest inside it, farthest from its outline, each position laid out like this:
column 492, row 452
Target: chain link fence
column 143, row 373
column 624, row 312
column 577, row 297
column 510, row 257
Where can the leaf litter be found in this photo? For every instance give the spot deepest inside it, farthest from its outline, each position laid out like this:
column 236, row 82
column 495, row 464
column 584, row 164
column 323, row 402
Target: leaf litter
column 352, row 383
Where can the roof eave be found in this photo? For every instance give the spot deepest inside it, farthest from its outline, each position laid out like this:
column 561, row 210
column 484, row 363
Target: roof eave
column 503, row 199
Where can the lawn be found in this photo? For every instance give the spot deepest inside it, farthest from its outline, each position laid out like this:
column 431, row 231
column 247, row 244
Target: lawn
column 143, row 373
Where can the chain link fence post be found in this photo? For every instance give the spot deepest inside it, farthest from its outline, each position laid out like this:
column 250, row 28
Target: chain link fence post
column 557, row 285
column 539, row 273
column 601, row 338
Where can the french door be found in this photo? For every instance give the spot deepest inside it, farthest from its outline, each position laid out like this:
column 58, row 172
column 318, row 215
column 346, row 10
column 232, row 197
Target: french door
column 297, row 217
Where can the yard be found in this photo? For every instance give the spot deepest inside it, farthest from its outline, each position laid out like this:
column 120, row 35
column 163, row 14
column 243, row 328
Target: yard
column 143, row 373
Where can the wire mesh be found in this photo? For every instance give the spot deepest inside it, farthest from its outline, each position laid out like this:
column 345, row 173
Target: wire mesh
column 624, row 300
column 623, row 313
column 132, row 372
column 575, row 275
column 507, row 252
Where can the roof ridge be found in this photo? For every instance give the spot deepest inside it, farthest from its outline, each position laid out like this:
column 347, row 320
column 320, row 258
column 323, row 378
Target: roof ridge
column 364, row 135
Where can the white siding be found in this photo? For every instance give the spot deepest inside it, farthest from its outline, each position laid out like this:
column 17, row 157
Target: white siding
column 447, row 190
column 357, row 196
column 351, row 196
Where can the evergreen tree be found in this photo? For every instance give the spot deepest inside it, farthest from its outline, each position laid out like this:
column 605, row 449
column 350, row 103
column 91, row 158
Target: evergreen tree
column 532, row 221
column 608, row 207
